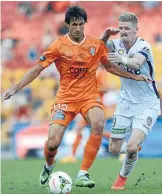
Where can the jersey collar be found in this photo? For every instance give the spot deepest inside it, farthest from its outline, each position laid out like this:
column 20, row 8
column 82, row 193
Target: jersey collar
column 76, row 42
column 127, row 50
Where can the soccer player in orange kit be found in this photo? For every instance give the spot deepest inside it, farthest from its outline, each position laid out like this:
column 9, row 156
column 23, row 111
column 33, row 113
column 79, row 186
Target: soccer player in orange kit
column 77, row 57
column 81, row 123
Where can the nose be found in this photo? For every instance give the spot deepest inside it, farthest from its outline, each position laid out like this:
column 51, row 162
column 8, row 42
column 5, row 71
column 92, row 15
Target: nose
column 78, row 28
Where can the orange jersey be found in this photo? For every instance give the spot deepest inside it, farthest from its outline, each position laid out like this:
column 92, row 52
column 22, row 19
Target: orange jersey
column 77, row 64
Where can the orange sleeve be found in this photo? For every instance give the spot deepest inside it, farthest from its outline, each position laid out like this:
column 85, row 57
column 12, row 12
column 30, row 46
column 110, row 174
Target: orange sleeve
column 103, row 53
column 50, row 55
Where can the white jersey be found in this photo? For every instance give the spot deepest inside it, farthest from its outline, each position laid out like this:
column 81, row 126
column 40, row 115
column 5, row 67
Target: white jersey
column 137, row 91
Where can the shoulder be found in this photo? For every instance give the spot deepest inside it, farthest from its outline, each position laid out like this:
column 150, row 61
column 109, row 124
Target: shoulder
column 144, row 48
column 143, row 43
column 93, row 39
column 114, row 42
column 95, row 42
column 57, row 42
column 60, row 39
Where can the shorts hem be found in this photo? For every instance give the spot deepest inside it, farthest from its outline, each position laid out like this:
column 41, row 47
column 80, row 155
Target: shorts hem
column 117, row 136
column 58, row 122
column 83, row 113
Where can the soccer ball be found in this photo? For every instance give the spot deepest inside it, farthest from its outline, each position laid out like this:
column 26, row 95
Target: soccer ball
column 59, row 183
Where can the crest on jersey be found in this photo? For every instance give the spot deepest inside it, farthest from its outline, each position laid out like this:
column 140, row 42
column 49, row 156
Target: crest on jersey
column 149, row 121
column 121, row 51
column 92, row 50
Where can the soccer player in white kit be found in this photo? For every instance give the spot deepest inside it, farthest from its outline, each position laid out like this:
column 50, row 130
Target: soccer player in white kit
column 139, row 105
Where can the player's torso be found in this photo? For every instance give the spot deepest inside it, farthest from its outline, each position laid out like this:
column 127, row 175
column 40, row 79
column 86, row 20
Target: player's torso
column 133, row 90
column 77, row 65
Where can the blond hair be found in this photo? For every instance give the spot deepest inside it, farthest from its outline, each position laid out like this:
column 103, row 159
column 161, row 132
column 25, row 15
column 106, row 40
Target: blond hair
column 128, row 17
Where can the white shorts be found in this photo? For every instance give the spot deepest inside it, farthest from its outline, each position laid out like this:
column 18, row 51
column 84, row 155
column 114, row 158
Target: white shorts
column 130, row 116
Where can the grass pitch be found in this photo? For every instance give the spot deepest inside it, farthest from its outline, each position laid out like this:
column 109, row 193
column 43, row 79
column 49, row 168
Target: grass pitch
column 21, row 176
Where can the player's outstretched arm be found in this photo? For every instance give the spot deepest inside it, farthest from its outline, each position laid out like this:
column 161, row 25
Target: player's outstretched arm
column 116, row 70
column 132, row 63
column 28, row 77
column 109, row 32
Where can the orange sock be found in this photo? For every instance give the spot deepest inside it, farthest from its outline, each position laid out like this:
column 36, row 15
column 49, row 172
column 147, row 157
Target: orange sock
column 76, row 144
column 90, row 151
column 49, row 156
column 106, row 134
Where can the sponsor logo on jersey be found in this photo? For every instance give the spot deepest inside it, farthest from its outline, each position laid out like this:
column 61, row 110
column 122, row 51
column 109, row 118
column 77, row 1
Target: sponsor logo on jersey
column 92, row 50
column 42, row 58
column 118, row 131
column 78, row 72
column 121, row 51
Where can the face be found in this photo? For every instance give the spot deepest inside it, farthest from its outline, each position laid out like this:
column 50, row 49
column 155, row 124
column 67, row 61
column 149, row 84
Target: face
column 76, row 28
column 128, row 31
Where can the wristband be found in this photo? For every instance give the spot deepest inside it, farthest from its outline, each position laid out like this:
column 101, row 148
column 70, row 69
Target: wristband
column 124, row 61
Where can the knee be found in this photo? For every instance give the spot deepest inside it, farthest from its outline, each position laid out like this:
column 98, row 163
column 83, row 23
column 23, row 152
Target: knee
column 132, row 151
column 114, row 150
column 97, row 127
column 132, row 148
column 53, row 144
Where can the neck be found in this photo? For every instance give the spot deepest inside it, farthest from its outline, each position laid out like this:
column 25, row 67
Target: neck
column 78, row 40
column 130, row 44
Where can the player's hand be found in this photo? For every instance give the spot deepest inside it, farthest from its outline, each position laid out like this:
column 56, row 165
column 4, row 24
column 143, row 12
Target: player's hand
column 142, row 78
column 111, row 31
column 114, row 58
column 9, row 93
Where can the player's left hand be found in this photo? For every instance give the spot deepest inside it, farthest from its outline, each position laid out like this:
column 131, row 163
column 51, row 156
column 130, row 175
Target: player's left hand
column 114, row 58
column 142, row 78
column 111, row 31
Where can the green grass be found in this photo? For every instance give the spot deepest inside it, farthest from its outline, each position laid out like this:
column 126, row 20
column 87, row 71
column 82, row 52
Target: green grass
column 21, row 176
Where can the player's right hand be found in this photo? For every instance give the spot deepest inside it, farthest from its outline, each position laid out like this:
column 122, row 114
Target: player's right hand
column 9, row 93
column 111, row 31
column 142, row 78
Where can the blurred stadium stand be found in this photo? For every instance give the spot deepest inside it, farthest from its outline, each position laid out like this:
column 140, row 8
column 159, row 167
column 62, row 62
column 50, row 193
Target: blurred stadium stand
column 29, row 27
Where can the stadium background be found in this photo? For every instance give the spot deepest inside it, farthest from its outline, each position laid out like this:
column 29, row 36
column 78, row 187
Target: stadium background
column 27, row 29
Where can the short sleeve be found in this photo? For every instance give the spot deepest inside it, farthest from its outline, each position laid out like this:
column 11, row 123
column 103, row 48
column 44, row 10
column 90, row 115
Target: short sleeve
column 50, row 55
column 111, row 46
column 103, row 53
column 146, row 50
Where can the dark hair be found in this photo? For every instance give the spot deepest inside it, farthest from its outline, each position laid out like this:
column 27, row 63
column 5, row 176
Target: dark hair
column 75, row 12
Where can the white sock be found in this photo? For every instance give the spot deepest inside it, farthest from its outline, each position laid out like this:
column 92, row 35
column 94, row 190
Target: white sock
column 82, row 172
column 49, row 167
column 127, row 166
column 123, row 149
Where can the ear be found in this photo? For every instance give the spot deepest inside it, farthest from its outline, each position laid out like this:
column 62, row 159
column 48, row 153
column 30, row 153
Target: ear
column 67, row 25
column 137, row 28
column 135, row 32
